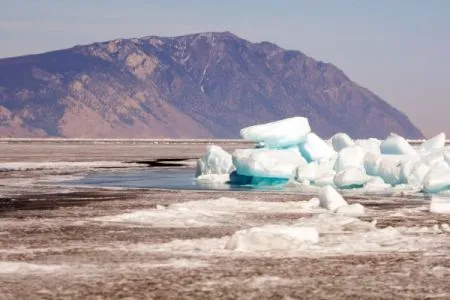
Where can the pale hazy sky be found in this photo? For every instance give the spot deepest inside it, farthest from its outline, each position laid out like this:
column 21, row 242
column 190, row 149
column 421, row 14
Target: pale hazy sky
column 399, row 49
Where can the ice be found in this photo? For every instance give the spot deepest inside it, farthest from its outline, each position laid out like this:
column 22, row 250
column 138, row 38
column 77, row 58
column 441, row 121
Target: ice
column 350, row 157
column 325, row 180
column 25, row 166
column 272, row 237
column 437, row 180
column 388, row 167
column 286, row 132
column 395, row 144
column 370, row 145
column 437, row 157
column 440, row 205
column 414, row 172
column 350, row 178
column 14, row 267
column 267, row 163
column 215, row 161
column 433, row 143
column 307, row 172
column 313, row 148
column 288, row 152
column 208, row 212
column 330, row 199
column 314, row 170
column 352, row 210
column 341, row 141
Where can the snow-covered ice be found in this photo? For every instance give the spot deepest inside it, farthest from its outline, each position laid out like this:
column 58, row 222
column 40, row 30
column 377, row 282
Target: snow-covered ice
column 272, row 237
column 352, row 210
column 440, row 205
column 26, row 166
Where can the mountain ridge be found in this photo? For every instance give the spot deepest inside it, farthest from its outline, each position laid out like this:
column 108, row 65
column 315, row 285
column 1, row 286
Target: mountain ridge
column 198, row 85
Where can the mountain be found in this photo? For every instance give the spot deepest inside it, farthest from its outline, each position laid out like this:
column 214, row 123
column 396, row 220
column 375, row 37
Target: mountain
column 199, row 85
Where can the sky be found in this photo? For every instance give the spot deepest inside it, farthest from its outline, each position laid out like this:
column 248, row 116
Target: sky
column 399, row 49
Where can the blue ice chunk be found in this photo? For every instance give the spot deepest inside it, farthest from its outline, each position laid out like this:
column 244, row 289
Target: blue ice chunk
column 262, row 181
column 238, row 179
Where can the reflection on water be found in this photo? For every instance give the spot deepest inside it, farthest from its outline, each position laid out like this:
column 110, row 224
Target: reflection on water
column 181, row 178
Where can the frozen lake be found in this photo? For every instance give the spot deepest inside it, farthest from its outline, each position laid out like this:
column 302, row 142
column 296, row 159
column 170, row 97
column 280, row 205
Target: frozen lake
column 108, row 229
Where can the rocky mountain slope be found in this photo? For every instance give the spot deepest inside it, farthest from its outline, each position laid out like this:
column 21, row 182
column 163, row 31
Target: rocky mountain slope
column 199, row 85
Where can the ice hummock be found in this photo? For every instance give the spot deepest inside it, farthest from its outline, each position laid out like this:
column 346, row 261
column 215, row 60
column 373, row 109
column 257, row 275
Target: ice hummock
column 289, row 152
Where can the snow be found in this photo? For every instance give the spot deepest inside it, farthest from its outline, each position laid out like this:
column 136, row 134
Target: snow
column 440, row 205
column 330, row 199
column 351, row 177
column 352, row 210
column 269, row 163
column 341, row 141
column 313, row 148
column 286, row 132
column 272, row 237
column 14, row 267
column 214, row 161
column 209, row 212
column 395, row 144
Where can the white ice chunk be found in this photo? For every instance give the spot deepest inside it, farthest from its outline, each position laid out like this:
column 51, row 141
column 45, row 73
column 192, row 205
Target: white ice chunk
column 313, row 148
column 395, row 144
column 375, row 183
column 352, row 210
column 281, row 133
column 350, row 157
column 433, row 143
column 436, row 157
column 437, row 180
column 350, row 178
column 327, row 179
column 440, row 205
column 307, row 171
column 270, row 163
column 330, row 199
column 313, row 171
column 370, row 145
column 215, row 161
column 414, row 172
column 341, row 141
column 272, row 237
column 388, row 167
